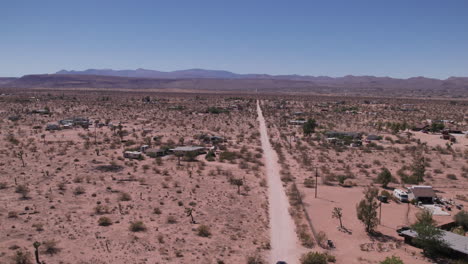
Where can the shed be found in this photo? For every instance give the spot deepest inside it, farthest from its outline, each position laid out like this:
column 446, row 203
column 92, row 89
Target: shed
column 422, row 193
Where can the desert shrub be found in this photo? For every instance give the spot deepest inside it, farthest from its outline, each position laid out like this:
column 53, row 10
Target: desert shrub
column 306, row 239
column 50, row 247
column 137, row 226
column 3, row 185
column 458, row 230
column 38, row 226
column 12, row 214
column 79, row 190
column 392, row 260
column 255, row 259
column 171, row 220
column 309, row 182
column 23, row 190
column 104, row 221
column 314, row 258
column 461, row 218
column 125, row 197
column 210, row 156
column 61, row 186
column 227, row 155
column 157, row 211
column 322, row 239
column 22, row 257
column 203, row 231
column 451, row 176
column 101, row 209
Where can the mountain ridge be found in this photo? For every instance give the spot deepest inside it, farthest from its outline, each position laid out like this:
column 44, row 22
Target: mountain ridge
column 196, row 73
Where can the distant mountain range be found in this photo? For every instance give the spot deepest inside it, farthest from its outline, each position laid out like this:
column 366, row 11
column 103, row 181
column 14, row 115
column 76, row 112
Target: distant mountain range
column 209, row 80
column 220, row 74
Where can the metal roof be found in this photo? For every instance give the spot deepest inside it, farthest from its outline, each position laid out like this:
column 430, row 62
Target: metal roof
column 188, row 148
column 456, row 242
column 422, row 191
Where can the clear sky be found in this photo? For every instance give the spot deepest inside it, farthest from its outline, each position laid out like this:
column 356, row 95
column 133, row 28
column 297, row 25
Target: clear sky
column 398, row 38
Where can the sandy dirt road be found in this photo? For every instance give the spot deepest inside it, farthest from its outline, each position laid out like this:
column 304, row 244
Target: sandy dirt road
column 283, row 239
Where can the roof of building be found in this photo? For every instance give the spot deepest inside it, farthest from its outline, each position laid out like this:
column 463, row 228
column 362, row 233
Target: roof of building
column 456, row 242
column 187, row 148
column 422, row 191
column 150, row 150
column 133, row 152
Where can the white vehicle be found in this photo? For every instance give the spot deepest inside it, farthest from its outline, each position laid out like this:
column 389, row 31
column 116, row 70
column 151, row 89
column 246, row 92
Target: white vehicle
column 400, row 195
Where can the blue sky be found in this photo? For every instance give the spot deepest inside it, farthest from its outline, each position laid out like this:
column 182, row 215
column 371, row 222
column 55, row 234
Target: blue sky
column 398, row 38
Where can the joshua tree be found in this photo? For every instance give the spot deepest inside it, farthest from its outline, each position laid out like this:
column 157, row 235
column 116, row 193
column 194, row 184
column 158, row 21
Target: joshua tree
column 20, row 156
column 239, row 183
column 337, row 213
column 36, row 251
column 189, row 212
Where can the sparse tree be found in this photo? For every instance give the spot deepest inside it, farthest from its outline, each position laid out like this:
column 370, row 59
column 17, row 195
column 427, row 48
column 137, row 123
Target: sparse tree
column 309, row 127
column 367, row 209
column 238, row 183
column 338, row 213
column 384, row 177
column 429, row 237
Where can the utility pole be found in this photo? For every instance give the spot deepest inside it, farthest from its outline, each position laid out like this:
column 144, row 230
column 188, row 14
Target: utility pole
column 380, row 214
column 316, row 181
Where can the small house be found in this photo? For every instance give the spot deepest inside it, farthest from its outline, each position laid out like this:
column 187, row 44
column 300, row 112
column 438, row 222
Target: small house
column 132, row 154
column 421, row 193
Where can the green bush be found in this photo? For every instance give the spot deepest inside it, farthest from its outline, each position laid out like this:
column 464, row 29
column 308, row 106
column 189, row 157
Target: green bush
column 392, row 260
column 314, row 258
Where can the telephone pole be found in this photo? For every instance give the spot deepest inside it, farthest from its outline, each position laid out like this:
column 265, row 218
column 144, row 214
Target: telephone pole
column 316, row 181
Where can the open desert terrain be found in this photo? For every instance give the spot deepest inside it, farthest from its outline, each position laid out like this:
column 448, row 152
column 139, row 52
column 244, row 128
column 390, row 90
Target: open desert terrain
column 135, row 177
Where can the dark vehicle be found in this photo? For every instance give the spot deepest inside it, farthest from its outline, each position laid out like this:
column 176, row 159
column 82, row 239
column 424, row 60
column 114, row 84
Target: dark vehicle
column 281, row 262
column 382, row 198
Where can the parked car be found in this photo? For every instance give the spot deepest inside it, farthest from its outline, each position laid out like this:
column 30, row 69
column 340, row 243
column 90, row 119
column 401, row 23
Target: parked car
column 382, row 198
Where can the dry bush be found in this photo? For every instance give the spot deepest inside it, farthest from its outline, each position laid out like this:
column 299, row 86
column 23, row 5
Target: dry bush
column 203, row 231
column 104, row 221
column 137, row 226
column 50, row 247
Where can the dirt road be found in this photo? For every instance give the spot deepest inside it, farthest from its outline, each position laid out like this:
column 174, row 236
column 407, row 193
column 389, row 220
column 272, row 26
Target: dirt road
column 283, row 239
